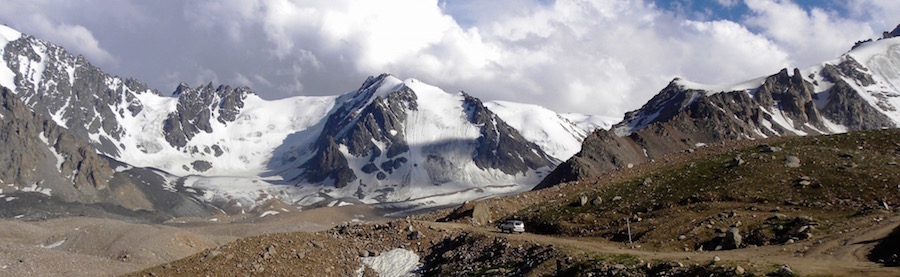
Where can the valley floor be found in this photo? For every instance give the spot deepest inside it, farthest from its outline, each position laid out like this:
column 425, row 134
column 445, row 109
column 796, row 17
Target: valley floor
column 87, row 246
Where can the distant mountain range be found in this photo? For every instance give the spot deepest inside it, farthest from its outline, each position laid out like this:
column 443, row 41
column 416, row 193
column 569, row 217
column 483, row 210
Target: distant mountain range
column 77, row 134
column 858, row 91
column 72, row 134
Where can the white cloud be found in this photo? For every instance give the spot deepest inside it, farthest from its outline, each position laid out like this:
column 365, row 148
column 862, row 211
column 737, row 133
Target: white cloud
column 881, row 15
column 811, row 36
column 601, row 57
column 728, row 3
column 587, row 56
column 66, row 23
column 205, row 76
column 76, row 38
column 241, row 80
column 610, row 57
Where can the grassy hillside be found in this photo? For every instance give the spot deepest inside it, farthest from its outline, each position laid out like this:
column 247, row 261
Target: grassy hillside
column 751, row 187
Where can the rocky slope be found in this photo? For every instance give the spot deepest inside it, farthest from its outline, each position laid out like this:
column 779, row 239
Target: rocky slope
column 858, row 91
column 42, row 157
column 42, row 160
column 402, row 248
column 68, row 89
column 704, row 213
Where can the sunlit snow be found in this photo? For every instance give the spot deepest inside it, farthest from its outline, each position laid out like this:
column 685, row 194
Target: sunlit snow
column 395, row 263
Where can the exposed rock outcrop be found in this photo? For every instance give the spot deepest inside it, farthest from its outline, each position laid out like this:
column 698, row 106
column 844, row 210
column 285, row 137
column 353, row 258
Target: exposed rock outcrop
column 72, row 91
column 373, row 123
column 40, row 156
column 500, row 146
column 681, row 118
column 892, row 34
column 196, row 108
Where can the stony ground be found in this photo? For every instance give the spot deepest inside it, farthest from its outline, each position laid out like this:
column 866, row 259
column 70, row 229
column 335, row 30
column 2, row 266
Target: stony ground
column 742, row 208
column 458, row 249
column 108, row 247
column 813, row 206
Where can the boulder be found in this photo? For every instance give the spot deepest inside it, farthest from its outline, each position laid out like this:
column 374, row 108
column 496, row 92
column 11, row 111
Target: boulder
column 732, row 239
column 765, row 148
column 784, row 271
column 737, row 161
column 792, row 161
column 481, row 215
column 211, row 254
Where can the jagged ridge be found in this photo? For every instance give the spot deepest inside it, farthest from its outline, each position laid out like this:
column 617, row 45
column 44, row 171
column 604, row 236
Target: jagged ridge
column 834, row 97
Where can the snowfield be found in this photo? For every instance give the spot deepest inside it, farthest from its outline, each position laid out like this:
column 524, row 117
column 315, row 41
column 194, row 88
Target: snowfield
column 260, row 151
column 395, row 263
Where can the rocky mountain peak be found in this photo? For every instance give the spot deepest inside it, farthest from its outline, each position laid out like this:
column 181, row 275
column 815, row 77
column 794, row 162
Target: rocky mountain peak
column 501, row 146
column 793, row 96
column 390, row 140
column 196, row 108
column 71, row 91
column 857, row 92
column 407, row 132
column 181, row 88
column 891, row 34
column 674, row 98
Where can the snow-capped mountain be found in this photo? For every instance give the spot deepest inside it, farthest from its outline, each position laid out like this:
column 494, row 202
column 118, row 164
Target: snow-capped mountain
column 44, row 169
column 390, row 141
column 560, row 135
column 858, row 91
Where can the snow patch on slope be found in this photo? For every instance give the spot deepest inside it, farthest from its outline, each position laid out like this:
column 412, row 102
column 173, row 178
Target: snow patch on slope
column 555, row 134
column 33, row 70
column 395, row 263
column 59, row 157
column 439, row 116
column 248, row 143
column 7, row 76
column 713, row 89
column 885, row 93
column 867, row 51
column 589, row 123
column 38, row 189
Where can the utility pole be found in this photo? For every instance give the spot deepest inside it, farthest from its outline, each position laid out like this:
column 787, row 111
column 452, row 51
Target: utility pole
column 628, row 224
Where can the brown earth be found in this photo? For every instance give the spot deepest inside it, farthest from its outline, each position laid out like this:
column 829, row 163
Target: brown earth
column 108, row 247
column 851, row 203
column 337, row 252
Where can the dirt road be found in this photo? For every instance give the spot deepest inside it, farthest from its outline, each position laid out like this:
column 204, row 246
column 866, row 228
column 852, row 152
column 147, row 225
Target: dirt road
column 843, row 255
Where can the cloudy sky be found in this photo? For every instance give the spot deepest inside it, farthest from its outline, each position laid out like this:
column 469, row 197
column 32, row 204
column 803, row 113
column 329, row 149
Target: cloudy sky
column 600, row 57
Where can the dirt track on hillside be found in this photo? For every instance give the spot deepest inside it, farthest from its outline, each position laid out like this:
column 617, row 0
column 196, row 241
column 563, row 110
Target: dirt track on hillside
column 844, row 255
